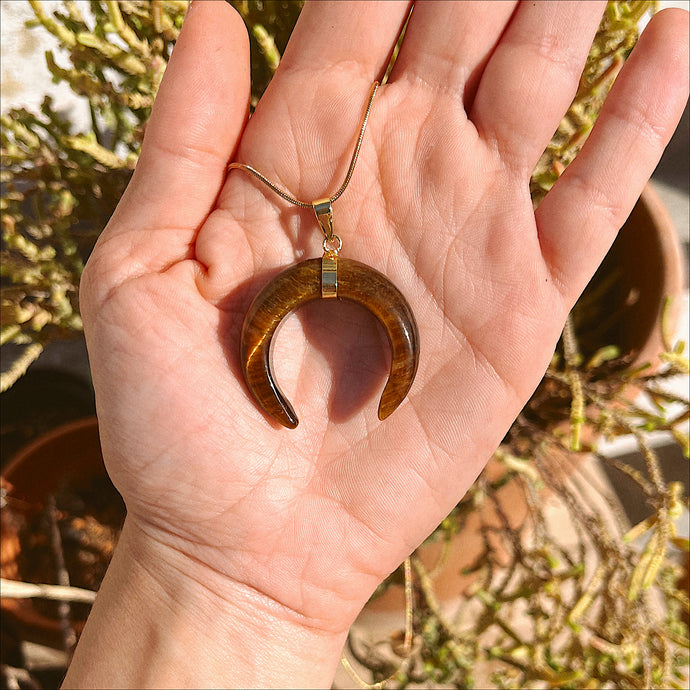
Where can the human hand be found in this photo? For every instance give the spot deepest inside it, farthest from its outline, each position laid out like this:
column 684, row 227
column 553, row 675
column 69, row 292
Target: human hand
column 287, row 533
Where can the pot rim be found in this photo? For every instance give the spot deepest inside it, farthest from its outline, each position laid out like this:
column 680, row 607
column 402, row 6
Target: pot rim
column 31, row 448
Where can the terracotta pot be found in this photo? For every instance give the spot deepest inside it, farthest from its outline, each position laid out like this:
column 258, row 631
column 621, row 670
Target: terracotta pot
column 69, row 455
column 624, row 302
column 42, row 399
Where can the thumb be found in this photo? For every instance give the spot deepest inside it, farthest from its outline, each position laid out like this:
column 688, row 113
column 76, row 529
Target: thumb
column 197, row 120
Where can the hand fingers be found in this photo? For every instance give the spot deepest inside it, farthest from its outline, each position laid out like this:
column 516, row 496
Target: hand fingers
column 335, row 52
column 447, row 44
column 580, row 216
column 532, row 76
column 196, row 121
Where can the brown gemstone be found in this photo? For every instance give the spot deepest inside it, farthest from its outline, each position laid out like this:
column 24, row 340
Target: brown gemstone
column 301, row 283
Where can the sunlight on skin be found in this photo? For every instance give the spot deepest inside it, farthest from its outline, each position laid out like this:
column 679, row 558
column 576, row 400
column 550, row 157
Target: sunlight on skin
column 249, row 546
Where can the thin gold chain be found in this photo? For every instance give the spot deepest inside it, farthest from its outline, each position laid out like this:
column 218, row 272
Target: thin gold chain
column 351, row 169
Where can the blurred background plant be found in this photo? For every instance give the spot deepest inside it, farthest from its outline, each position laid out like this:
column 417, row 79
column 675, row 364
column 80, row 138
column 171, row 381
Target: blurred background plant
column 608, row 609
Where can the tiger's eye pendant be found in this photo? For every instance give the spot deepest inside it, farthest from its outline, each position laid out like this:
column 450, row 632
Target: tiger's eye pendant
column 330, row 277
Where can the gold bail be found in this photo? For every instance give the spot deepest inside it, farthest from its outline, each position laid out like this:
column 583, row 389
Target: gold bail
column 324, row 214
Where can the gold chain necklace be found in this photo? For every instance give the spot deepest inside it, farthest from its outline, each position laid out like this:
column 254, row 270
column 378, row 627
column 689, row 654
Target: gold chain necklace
column 329, row 277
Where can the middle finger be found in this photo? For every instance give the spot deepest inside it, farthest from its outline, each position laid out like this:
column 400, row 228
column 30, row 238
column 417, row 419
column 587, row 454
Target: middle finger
column 447, row 44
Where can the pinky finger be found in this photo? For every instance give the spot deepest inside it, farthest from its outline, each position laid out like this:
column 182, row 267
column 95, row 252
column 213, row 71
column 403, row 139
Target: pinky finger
column 579, row 218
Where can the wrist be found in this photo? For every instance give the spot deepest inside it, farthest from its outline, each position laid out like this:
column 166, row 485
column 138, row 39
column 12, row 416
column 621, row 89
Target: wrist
column 164, row 620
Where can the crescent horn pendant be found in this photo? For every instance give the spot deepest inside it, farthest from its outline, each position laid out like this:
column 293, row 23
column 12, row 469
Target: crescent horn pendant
column 304, row 282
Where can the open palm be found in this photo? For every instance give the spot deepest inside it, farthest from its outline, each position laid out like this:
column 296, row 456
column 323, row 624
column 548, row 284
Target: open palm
column 314, row 518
